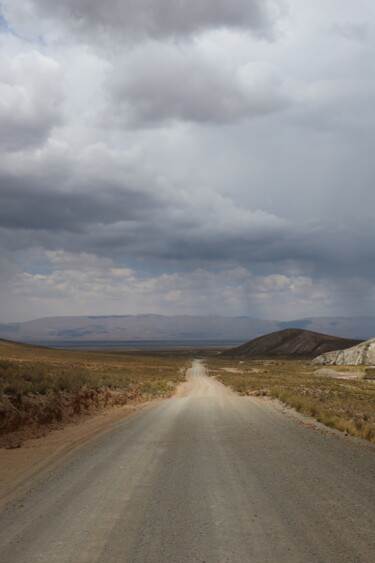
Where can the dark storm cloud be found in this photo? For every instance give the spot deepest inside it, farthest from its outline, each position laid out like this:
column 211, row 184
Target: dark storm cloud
column 25, row 205
column 112, row 221
column 157, row 18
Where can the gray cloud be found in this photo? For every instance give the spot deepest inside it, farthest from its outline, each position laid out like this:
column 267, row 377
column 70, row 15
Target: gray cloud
column 30, row 99
column 172, row 228
column 170, row 160
column 25, row 205
column 158, row 18
column 353, row 31
column 161, row 83
column 114, row 220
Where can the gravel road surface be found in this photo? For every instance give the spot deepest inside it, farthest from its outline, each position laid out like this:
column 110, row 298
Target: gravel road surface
column 204, row 477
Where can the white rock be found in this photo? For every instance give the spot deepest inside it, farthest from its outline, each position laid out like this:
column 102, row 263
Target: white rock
column 361, row 354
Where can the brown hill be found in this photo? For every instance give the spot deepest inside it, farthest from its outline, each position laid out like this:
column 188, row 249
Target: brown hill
column 6, row 345
column 291, row 342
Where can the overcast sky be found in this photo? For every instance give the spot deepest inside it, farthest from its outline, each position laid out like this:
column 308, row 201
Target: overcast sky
column 190, row 157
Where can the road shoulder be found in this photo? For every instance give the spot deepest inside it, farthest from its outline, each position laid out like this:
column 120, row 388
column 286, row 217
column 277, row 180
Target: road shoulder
column 22, row 468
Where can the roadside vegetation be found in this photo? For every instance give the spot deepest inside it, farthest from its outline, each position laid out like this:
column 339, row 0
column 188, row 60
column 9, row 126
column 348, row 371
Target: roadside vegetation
column 344, row 404
column 29, row 369
column 41, row 386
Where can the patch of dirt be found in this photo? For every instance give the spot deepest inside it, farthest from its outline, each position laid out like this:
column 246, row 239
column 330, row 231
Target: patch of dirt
column 258, row 393
column 329, row 372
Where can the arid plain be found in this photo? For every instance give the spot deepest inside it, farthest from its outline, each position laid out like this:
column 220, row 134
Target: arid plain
column 160, row 457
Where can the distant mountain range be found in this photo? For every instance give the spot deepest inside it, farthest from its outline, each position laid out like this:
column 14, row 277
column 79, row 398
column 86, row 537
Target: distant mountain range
column 178, row 328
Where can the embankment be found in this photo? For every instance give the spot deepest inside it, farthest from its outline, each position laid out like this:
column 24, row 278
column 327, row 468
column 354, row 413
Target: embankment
column 23, row 417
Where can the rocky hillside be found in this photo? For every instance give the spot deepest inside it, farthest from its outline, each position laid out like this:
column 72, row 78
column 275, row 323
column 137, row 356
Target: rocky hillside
column 291, row 342
column 361, row 354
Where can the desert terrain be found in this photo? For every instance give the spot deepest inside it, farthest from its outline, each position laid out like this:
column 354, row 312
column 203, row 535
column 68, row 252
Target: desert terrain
column 213, row 459
column 206, row 475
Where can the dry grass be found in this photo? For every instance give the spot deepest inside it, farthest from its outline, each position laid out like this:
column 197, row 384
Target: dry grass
column 347, row 405
column 42, row 389
column 28, row 369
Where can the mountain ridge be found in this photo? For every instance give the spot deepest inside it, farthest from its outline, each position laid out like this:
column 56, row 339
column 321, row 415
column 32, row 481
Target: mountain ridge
column 176, row 327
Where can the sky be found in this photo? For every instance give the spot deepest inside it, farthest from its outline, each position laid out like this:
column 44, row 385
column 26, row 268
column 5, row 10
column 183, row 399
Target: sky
column 187, row 157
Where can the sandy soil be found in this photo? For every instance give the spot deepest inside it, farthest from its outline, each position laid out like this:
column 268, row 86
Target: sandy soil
column 329, row 372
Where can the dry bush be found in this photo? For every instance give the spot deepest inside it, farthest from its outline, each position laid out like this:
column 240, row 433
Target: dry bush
column 27, row 369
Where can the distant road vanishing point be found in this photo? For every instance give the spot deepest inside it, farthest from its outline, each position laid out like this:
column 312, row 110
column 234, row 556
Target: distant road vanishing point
column 206, row 476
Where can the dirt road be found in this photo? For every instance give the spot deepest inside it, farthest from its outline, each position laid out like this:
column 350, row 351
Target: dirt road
column 204, row 477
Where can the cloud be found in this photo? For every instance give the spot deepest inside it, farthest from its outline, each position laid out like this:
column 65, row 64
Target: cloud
column 102, row 201
column 150, row 18
column 352, row 31
column 179, row 154
column 30, row 99
column 71, row 283
column 143, row 218
column 199, row 84
column 24, row 204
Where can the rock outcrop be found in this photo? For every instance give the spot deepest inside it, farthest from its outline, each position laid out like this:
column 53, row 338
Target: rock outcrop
column 291, row 342
column 361, row 354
